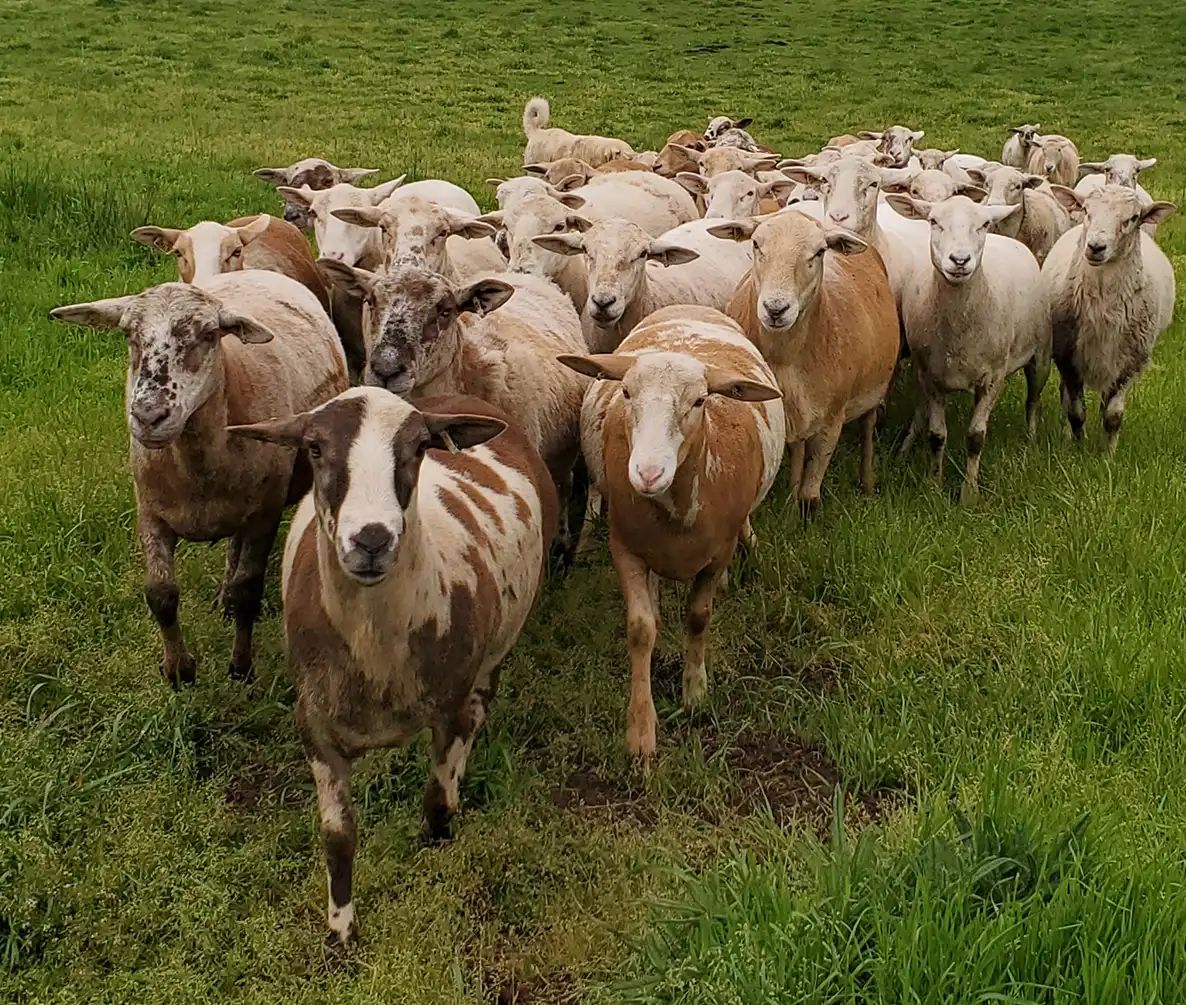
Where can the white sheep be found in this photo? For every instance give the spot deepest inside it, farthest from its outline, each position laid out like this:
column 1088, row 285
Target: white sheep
column 1016, row 152
column 1110, row 291
column 1055, row 158
column 896, row 142
column 1040, row 220
column 237, row 347
column 976, row 316
column 314, row 173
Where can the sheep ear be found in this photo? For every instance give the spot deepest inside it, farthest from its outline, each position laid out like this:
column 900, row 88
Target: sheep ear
column 950, row 153
column 484, row 296
column 896, row 179
column 360, row 216
column 536, row 169
column 560, row 244
column 1158, row 213
column 568, row 183
column 1147, row 163
column 844, row 242
column 998, row 213
column 1068, row 198
column 973, row 192
column 733, row 385
column 917, row 135
column 457, row 432
column 577, row 222
column 867, row 134
column 254, row 230
column 743, row 123
column 288, row 432
column 602, row 366
column 734, row 230
column 273, row 176
column 689, row 151
column 912, row 209
column 670, row 254
column 495, row 182
column 495, row 218
column 1032, row 181
column 359, row 282
column 570, row 200
column 101, row 314
column 248, row 330
column 160, row 238
column 1091, row 167
column 804, row 175
column 882, row 160
column 351, row 175
column 977, row 175
column 381, row 192
column 302, row 196
column 696, row 184
column 464, row 225
column 776, row 187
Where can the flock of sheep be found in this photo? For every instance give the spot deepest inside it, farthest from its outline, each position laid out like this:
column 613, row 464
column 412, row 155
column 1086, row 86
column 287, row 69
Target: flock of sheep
column 655, row 327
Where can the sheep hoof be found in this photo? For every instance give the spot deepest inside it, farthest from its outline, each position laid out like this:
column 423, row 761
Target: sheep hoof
column 337, row 949
column 179, row 672
column 809, row 507
column 640, row 741
column 437, row 826
column 244, row 672
column 969, row 494
column 695, row 691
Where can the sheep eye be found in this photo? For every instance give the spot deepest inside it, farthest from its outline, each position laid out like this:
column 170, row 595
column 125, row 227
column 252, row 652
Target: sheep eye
column 558, row 229
column 820, row 253
column 314, row 449
column 236, row 253
column 1135, row 218
column 625, row 394
column 699, row 402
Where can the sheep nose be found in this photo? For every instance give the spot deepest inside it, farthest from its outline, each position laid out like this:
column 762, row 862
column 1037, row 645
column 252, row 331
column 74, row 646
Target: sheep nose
column 151, row 415
column 649, row 474
column 960, row 260
column 1096, row 247
column 334, row 256
column 838, row 218
column 374, row 539
column 776, row 307
column 604, row 300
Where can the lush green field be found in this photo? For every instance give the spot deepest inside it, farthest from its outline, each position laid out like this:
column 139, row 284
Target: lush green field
column 992, row 698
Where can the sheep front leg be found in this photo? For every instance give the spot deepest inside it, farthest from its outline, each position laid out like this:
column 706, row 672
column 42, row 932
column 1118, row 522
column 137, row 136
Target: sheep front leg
column 641, row 632
column 451, row 745
column 695, row 682
column 798, row 459
column 1071, row 395
column 936, row 407
column 985, row 402
column 339, row 836
column 158, row 543
column 868, row 434
column 819, row 455
column 1037, row 370
column 245, row 594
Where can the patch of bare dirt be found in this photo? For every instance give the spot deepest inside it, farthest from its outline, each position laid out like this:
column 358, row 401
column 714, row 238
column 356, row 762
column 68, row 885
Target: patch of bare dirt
column 554, row 989
column 589, row 793
column 259, row 785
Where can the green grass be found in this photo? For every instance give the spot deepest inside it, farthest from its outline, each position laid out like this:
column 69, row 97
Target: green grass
column 1018, row 662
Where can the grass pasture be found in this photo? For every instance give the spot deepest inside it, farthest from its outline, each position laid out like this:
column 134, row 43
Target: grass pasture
column 945, row 755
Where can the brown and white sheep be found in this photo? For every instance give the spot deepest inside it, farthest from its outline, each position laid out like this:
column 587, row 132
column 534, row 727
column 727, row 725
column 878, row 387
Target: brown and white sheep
column 818, row 306
column 409, row 572
column 683, row 437
column 237, row 347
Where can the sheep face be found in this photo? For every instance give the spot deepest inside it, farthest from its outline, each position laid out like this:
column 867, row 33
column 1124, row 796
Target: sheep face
column 722, row 124
column 415, row 230
column 851, row 186
column 175, row 333
column 1006, row 187
column 1027, row 134
column 664, row 395
column 534, row 217
column 1119, row 169
column 1112, row 222
column 314, row 173
column 735, row 194
column 206, row 249
column 897, row 143
column 366, row 448
column 336, row 239
column 616, row 254
column 959, row 229
column 932, row 159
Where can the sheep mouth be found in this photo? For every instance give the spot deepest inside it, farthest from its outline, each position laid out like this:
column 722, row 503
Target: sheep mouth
column 957, row 276
column 401, row 384
column 606, row 316
column 366, row 570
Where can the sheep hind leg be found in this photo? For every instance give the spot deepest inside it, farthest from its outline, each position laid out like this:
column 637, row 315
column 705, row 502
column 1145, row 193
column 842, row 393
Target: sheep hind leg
column 223, row 600
column 339, row 838
column 163, row 597
column 985, row 402
column 819, row 455
column 1037, row 370
column 868, row 436
column 1071, row 396
column 1112, row 413
column 245, row 596
column 699, row 614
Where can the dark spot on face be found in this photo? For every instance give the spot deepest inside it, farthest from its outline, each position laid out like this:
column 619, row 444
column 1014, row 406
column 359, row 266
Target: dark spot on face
column 331, row 433
column 408, row 449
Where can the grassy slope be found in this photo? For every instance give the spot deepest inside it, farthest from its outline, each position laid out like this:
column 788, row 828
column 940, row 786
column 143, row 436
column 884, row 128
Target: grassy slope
column 161, row 847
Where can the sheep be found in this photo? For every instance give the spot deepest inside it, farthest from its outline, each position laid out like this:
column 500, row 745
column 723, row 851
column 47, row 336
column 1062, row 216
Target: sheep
column 549, row 144
column 843, row 140
column 1118, row 169
column 718, row 160
column 495, row 339
column 531, row 217
column 723, row 131
column 932, row 159
column 409, row 571
column 822, row 315
column 1016, row 151
column 721, row 124
column 1041, row 220
column 1055, row 158
column 851, row 188
column 735, row 194
column 450, row 242
column 976, row 316
column 1110, row 291
column 679, row 153
column 254, row 242
column 238, row 346
column 508, row 191
column 896, row 142
column 316, row 174
column 688, row 138
column 631, row 274
column 683, row 435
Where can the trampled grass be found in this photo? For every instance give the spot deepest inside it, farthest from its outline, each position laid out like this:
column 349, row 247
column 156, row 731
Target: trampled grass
column 1019, row 661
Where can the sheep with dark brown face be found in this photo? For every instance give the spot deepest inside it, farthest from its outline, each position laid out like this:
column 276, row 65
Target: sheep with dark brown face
column 237, row 347
column 409, row 571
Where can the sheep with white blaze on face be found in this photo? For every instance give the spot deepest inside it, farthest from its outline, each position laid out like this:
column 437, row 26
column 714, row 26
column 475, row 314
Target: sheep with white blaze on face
column 409, row 572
